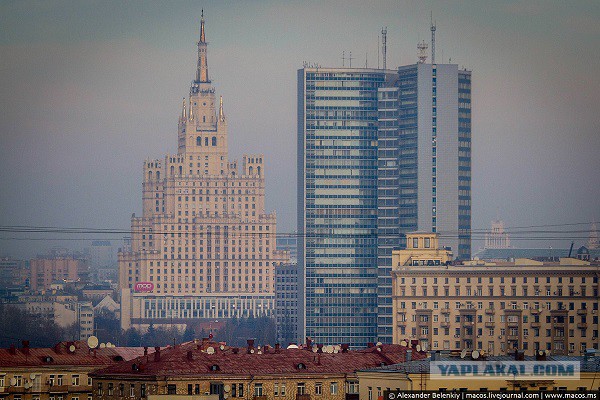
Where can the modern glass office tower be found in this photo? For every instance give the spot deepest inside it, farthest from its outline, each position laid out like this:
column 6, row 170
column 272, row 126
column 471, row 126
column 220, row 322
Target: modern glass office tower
column 380, row 154
column 424, row 179
column 337, row 203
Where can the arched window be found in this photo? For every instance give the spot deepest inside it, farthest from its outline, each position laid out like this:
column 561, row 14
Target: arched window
column 198, row 141
column 150, row 175
column 258, row 170
column 206, row 141
column 172, row 170
column 251, row 170
column 157, row 175
column 214, row 141
column 204, row 118
column 180, row 170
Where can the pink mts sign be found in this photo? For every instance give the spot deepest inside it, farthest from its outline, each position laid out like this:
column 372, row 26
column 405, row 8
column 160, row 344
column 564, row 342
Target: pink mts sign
column 144, row 287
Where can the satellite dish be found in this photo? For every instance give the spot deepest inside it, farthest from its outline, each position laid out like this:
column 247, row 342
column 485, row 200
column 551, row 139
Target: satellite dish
column 108, row 344
column 92, row 342
column 32, row 376
column 225, row 396
column 541, row 352
column 330, row 349
column 102, row 345
column 251, row 351
column 547, row 352
column 292, row 346
column 315, row 349
column 210, row 350
column 403, row 343
column 418, row 347
column 226, row 388
column 378, row 344
column 13, row 381
column 335, row 350
column 221, row 347
column 475, row 354
column 463, row 353
column 72, row 348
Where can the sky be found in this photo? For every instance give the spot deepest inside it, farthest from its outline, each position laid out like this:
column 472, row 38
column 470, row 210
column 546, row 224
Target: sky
column 90, row 89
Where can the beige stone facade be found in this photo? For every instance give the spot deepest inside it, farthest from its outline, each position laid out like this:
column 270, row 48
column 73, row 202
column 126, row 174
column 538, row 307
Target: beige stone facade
column 496, row 307
column 204, row 229
column 45, row 271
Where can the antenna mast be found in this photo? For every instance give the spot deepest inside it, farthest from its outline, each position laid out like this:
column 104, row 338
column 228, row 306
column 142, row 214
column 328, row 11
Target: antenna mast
column 433, row 40
column 384, row 45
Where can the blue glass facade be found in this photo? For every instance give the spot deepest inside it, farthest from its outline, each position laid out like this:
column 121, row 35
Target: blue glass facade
column 337, row 204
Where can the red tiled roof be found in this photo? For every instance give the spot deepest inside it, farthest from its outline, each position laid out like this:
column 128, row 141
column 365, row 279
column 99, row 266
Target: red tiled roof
column 174, row 361
column 60, row 355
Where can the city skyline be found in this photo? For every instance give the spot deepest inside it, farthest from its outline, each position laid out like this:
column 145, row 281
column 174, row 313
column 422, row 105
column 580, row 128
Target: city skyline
column 86, row 84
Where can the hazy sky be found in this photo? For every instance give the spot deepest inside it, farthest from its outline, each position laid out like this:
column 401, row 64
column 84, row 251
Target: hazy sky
column 89, row 89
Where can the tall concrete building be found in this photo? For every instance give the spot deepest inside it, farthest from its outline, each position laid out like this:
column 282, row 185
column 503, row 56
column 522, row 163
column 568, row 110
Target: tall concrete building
column 380, row 154
column 204, row 246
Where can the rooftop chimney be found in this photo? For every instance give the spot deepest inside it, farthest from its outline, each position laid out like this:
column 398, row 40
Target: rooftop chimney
column 57, row 348
column 250, row 345
column 12, row 350
column 370, row 345
column 157, row 353
column 319, row 348
column 145, row 350
column 25, row 346
column 277, row 347
column 409, row 355
column 345, row 347
column 190, row 356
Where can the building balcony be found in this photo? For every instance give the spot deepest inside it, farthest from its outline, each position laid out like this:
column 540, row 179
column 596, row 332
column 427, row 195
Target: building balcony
column 58, row 389
column 468, row 323
column 582, row 325
column 445, row 324
column 490, row 311
column 489, row 325
column 582, row 311
column 512, row 337
column 261, row 397
column 535, row 324
column 535, row 311
column 445, row 311
column 299, row 397
column 79, row 389
column 15, row 389
column 513, row 324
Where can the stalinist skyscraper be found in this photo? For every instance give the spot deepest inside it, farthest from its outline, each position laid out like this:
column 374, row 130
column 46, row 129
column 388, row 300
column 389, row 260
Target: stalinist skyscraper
column 204, row 247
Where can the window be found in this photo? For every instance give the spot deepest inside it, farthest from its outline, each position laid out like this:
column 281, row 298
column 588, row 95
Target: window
column 353, row 387
column 100, row 390
column 276, row 389
column 171, row 389
column 318, row 388
column 427, row 243
column 59, row 380
column 370, row 391
column 241, row 390
column 75, row 380
column 334, row 388
column 89, row 381
column 415, row 243
column 143, row 390
column 258, row 389
column 121, row 389
column 301, row 388
column 110, row 388
column 283, row 389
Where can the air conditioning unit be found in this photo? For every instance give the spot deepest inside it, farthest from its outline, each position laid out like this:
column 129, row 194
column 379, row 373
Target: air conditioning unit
column 500, row 337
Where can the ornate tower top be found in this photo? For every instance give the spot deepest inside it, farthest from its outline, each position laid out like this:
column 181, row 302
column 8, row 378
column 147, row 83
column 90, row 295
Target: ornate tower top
column 202, row 71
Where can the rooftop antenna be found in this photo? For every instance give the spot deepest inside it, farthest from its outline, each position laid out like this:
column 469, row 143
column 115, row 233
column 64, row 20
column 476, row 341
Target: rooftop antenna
column 350, row 58
column 378, row 51
column 384, row 45
column 432, row 39
column 366, row 59
column 422, row 51
column 343, row 58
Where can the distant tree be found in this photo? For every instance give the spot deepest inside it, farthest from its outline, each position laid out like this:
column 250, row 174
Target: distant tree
column 189, row 334
column 108, row 327
column 132, row 338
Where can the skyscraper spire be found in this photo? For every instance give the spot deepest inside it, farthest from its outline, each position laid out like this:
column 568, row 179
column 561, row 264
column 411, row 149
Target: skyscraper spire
column 202, row 34
column 183, row 110
column 221, row 114
column 202, row 71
